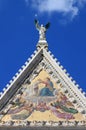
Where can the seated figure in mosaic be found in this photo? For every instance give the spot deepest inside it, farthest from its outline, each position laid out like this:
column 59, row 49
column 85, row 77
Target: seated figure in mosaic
column 40, row 88
column 48, row 89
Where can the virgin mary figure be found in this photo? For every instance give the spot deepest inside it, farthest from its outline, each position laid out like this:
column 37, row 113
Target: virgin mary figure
column 48, row 89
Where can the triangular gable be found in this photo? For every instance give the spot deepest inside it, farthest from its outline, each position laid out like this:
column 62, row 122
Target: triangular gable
column 42, row 64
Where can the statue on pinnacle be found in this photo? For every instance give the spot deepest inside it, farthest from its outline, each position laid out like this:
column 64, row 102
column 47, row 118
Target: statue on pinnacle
column 42, row 30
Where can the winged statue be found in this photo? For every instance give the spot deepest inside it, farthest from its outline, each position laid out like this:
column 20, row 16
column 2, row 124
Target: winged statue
column 42, row 29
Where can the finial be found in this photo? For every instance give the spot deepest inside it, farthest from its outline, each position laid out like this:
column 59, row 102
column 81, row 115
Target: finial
column 42, row 33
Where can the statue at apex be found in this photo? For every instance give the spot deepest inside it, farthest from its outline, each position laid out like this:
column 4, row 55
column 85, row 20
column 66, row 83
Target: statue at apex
column 42, row 29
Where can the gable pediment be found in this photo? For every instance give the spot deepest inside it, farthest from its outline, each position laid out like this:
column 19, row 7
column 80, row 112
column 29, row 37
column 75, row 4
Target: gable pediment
column 42, row 92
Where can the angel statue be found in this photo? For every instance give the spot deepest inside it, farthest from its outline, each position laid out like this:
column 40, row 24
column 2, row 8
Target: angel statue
column 42, row 29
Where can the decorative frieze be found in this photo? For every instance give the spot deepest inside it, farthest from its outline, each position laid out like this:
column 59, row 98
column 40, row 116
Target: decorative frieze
column 44, row 123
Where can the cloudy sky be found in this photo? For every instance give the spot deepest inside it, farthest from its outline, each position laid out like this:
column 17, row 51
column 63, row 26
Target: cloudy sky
column 66, row 36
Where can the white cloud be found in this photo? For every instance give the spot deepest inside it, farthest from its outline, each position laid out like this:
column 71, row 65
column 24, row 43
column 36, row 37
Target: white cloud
column 60, row 6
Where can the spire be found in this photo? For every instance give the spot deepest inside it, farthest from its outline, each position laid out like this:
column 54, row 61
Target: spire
column 42, row 34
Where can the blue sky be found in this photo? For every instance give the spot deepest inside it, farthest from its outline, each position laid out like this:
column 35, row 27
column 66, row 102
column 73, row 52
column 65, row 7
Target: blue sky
column 66, row 36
